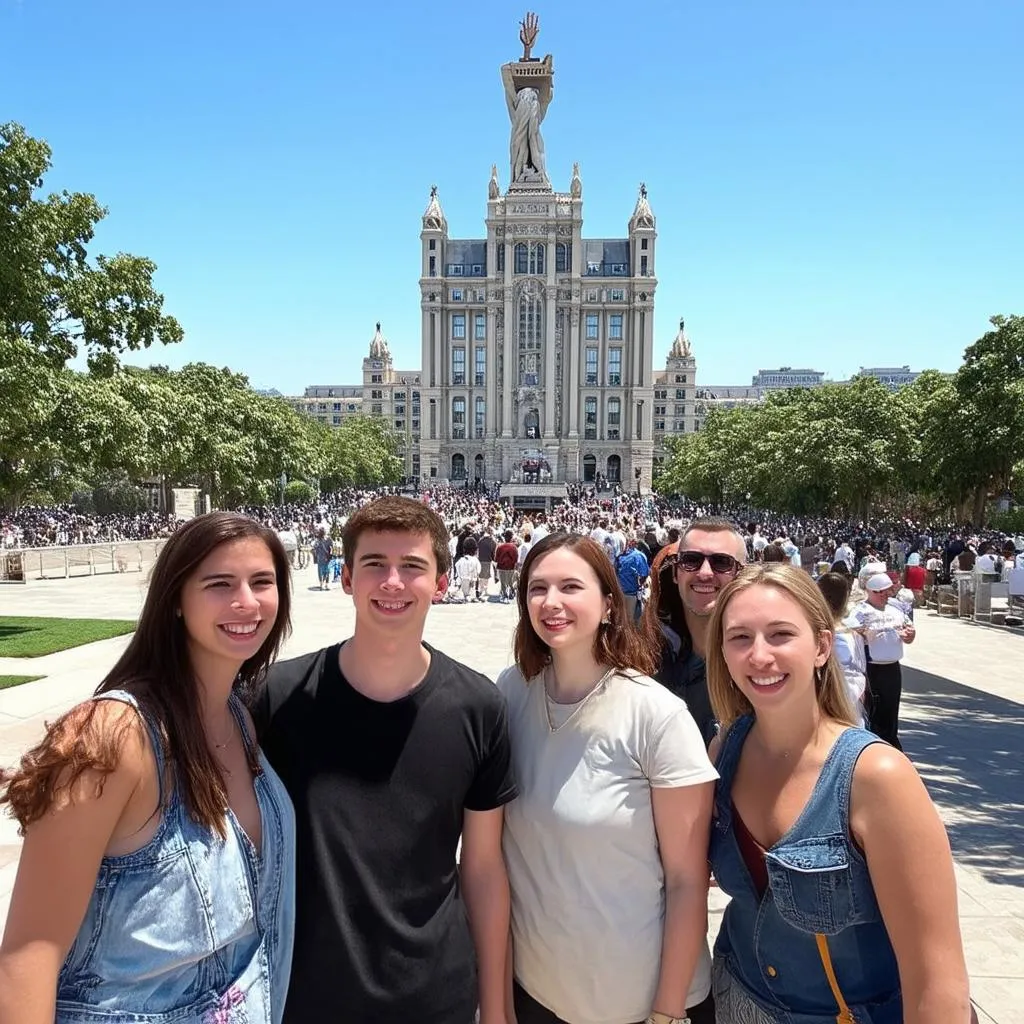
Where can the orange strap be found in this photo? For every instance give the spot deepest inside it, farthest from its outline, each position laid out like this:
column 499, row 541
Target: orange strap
column 844, row 1016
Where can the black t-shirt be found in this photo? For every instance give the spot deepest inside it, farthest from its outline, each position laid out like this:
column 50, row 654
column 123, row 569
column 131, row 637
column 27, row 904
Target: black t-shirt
column 382, row 935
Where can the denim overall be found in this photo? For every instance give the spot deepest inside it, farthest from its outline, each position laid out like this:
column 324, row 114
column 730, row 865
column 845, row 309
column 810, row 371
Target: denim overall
column 190, row 929
column 767, row 964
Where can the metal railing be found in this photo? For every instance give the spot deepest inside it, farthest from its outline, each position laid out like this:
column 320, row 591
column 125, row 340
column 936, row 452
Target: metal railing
column 19, row 565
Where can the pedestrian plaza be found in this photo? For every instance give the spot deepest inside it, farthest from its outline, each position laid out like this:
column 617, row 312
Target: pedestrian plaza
column 962, row 719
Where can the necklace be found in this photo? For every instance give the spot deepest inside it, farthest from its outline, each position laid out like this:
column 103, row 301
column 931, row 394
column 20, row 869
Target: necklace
column 229, row 740
column 576, row 705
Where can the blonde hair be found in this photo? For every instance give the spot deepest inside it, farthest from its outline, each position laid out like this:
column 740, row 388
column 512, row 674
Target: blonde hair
column 727, row 699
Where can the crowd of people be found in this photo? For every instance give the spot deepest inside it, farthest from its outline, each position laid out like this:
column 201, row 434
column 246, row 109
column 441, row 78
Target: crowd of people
column 374, row 832
column 36, row 526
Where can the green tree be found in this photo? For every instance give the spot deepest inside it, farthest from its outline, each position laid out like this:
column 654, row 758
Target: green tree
column 298, row 492
column 362, row 452
column 51, row 295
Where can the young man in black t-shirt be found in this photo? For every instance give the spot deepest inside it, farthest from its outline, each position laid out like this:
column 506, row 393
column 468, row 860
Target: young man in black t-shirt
column 390, row 751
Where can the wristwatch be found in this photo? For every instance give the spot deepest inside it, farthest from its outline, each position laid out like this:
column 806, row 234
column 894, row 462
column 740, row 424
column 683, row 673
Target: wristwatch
column 664, row 1018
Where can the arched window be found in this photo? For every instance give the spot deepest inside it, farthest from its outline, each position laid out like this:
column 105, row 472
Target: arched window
column 458, row 467
column 589, row 468
column 459, row 420
column 521, row 258
column 614, row 473
column 531, row 424
column 478, row 467
column 563, row 258
column 537, row 258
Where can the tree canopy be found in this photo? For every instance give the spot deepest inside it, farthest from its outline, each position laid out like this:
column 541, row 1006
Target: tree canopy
column 954, row 440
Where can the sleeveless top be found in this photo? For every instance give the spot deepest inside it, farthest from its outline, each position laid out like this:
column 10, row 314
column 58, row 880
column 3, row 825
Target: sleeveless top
column 191, row 928
column 818, row 882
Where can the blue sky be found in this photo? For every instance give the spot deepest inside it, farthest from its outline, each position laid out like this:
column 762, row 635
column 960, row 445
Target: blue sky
column 836, row 185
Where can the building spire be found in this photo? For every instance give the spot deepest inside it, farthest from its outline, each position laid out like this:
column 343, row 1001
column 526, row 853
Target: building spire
column 681, row 348
column 643, row 215
column 433, row 215
column 379, row 346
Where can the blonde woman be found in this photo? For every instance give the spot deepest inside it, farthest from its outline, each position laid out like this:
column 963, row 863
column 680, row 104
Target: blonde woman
column 843, row 895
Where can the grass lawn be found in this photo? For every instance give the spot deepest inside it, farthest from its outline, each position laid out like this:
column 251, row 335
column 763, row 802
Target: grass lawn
column 24, row 637
column 8, row 681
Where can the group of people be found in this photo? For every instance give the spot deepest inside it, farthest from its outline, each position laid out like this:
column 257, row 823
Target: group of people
column 375, row 833
column 36, row 526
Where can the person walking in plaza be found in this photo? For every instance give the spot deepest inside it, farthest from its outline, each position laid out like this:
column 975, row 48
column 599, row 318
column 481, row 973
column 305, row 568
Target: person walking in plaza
column 506, row 559
column 847, row 641
column 683, row 597
column 886, row 628
column 323, row 550
column 607, row 842
column 843, row 897
column 467, row 571
column 632, row 571
column 485, row 552
column 392, row 751
column 156, row 880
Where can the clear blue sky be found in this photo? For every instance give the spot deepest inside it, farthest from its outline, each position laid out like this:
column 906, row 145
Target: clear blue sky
column 836, row 185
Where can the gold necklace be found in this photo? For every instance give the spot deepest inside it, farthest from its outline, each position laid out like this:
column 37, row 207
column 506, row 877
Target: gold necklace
column 577, row 705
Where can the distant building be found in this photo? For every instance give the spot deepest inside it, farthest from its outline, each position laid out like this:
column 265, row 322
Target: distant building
column 892, row 377
column 787, row 377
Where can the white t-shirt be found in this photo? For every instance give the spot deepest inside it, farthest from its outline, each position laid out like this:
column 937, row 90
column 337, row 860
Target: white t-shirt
column 588, row 900
column 467, row 568
column 881, row 625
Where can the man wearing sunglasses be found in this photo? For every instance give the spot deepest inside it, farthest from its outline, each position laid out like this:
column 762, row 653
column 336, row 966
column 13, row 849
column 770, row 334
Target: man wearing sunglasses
column 711, row 552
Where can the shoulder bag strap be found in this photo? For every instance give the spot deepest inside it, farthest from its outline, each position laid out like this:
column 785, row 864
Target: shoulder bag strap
column 844, row 1016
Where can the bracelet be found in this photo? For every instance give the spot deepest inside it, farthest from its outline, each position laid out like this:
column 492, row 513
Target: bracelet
column 663, row 1018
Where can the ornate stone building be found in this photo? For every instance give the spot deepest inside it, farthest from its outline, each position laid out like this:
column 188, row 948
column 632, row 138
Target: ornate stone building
column 538, row 342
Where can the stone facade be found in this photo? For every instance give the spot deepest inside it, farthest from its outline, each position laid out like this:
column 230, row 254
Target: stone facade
column 537, row 343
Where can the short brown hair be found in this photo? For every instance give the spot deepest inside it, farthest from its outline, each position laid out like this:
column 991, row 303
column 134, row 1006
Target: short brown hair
column 620, row 644
column 727, row 700
column 395, row 514
column 712, row 524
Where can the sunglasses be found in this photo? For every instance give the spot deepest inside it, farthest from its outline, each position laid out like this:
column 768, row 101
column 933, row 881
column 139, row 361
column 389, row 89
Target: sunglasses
column 721, row 564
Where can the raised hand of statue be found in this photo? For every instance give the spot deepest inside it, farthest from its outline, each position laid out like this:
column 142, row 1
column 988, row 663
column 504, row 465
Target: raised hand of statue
column 529, row 27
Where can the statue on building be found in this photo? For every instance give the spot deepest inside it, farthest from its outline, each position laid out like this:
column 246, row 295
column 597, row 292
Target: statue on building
column 576, row 185
column 528, row 88
column 493, row 189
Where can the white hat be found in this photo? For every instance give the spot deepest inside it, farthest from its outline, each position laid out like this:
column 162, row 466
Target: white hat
column 880, row 581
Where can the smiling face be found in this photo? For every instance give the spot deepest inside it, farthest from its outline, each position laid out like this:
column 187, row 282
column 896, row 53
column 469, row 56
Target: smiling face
column 565, row 602
column 699, row 590
column 392, row 580
column 770, row 648
column 229, row 604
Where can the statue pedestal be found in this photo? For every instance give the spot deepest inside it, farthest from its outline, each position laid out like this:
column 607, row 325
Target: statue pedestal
column 534, row 74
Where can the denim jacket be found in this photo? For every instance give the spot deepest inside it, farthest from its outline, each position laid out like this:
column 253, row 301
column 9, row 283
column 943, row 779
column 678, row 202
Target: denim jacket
column 191, row 928
column 818, row 882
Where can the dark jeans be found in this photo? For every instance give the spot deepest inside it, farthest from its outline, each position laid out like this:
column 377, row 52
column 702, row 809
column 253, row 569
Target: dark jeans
column 529, row 1011
column 886, row 685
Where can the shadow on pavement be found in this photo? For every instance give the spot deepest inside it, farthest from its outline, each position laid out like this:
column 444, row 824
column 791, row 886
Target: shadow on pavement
column 967, row 745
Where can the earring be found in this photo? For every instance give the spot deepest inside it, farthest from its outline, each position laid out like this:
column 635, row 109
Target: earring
column 177, row 612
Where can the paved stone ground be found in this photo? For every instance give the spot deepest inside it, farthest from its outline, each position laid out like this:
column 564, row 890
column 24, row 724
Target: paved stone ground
column 963, row 717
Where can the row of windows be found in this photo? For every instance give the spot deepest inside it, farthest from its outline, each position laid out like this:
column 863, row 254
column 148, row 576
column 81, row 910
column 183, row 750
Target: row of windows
column 480, row 295
column 479, row 326
column 459, row 418
column 613, row 467
column 662, row 394
column 677, row 410
column 479, row 365
column 677, row 426
column 592, row 324
column 590, row 374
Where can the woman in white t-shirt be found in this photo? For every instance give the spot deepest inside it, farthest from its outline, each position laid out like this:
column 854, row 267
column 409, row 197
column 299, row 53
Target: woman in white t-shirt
column 607, row 843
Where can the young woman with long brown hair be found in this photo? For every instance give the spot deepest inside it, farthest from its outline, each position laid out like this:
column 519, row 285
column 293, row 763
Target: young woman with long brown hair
column 606, row 845
column 156, row 879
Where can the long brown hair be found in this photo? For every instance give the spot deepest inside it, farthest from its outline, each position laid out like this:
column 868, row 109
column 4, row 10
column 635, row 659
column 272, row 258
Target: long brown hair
column 619, row 644
column 157, row 670
column 727, row 700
